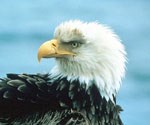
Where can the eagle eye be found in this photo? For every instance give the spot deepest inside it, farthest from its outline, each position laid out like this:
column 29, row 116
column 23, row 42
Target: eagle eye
column 75, row 44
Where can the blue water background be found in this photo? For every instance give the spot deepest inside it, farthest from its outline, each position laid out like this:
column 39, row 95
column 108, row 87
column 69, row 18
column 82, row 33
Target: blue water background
column 24, row 25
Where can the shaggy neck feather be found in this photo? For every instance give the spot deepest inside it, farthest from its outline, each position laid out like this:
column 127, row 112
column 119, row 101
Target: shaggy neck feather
column 102, row 74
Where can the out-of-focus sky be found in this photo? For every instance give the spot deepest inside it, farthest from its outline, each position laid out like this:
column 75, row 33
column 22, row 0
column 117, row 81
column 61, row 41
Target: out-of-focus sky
column 24, row 25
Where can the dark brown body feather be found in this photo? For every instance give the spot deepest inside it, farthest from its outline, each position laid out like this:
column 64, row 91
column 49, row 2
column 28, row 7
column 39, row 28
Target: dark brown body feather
column 35, row 99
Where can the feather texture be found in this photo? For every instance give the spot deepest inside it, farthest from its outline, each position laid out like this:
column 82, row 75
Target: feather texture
column 34, row 99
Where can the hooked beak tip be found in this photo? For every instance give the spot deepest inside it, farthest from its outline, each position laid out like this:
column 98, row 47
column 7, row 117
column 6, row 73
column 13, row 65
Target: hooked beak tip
column 39, row 58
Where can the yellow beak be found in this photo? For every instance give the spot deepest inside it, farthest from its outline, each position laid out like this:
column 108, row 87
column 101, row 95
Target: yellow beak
column 51, row 49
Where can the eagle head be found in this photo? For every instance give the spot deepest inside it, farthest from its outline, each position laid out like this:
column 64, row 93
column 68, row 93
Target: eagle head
column 89, row 52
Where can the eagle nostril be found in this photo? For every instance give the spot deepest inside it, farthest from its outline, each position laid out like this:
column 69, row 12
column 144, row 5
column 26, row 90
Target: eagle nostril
column 53, row 45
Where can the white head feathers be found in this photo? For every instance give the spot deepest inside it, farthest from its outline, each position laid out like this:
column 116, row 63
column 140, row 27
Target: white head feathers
column 101, row 57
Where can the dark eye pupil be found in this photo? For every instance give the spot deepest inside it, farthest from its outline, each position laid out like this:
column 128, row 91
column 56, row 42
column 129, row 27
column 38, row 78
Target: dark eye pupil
column 74, row 44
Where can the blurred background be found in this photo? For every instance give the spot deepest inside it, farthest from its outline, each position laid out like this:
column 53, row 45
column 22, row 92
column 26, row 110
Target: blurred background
column 25, row 25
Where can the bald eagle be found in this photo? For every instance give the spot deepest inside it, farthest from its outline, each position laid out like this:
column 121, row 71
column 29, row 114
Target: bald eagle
column 80, row 90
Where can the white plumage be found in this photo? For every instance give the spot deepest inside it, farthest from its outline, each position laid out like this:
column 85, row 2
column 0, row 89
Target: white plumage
column 80, row 89
column 101, row 58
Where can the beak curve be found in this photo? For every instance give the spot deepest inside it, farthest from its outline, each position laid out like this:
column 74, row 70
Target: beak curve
column 51, row 49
